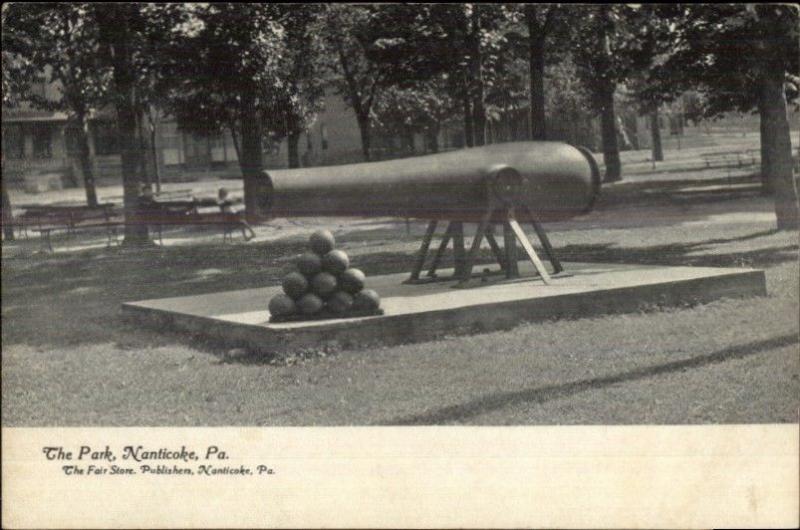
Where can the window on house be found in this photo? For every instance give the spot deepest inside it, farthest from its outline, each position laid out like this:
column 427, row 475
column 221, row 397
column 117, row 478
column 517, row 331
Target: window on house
column 42, row 142
column 13, row 142
column 106, row 139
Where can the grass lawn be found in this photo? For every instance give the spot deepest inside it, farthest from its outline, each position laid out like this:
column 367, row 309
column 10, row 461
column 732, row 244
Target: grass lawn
column 69, row 358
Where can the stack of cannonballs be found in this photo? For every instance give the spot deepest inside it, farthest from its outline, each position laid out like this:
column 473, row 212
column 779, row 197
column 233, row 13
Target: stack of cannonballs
column 323, row 285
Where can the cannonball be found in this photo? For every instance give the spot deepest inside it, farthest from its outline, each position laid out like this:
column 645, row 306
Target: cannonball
column 295, row 285
column 322, row 242
column 324, row 284
column 335, row 262
column 309, row 264
column 352, row 280
column 282, row 305
column 366, row 300
column 340, row 302
column 309, row 304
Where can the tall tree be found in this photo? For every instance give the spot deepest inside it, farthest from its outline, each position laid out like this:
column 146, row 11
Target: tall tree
column 356, row 77
column 741, row 58
column 421, row 46
column 60, row 40
column 419, row 108
column 458, row 44
column 117, row 39
column 223, row 70
column 649, row 44
column 101, row 55
column 567, row 101
column 130, row 38
column 540, row 20
column 18, row 74
column 600, row 35
column 777, row 34
column 297, row 104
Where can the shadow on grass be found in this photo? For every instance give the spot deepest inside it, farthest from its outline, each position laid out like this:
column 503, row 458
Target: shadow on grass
column 544, row 394
column 678, row 255
column 74, row 298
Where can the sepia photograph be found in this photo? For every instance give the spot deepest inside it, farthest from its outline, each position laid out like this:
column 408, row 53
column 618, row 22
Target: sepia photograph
column 572, row 220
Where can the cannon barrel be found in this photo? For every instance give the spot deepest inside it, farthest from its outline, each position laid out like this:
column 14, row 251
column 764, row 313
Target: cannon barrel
column 555, row 180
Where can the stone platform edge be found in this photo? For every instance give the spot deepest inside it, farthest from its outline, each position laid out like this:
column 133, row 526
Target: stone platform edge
column 390, row 330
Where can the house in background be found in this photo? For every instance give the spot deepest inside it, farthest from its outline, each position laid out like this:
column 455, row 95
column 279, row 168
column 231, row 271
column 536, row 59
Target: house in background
column 40, row 149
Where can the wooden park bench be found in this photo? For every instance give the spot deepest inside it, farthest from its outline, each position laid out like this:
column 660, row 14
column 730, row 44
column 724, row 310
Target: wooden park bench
column 730, row 159
column 46, row 219
column 195, row 212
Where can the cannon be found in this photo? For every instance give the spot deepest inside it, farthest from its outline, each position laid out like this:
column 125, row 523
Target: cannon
column 504, row 184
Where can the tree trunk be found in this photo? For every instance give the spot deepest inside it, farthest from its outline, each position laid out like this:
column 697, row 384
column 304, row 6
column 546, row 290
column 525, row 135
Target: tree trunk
column 479, row 120
column 144, row 171
column 766, row 184
column 113, row 21
column 476, row 78
column 655, row 136
column 366, row 138
column 8, row 218
column 153, row 119
column 469, row 138
column 85, row 159
column 251, row 160
column 608, row 132
column 235, row 138
column 293, row 143
column 776, row 146
column 536, row 43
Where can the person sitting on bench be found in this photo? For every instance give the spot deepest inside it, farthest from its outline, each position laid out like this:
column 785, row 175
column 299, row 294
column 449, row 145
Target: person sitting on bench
column 146, row 205
column 226, row 207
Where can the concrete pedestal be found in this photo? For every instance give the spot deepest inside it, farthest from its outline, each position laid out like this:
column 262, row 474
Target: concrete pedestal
column 416, row 313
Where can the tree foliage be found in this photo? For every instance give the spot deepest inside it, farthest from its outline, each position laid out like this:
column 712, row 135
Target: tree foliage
column 354, row 74
column 227, row 53
column 718, row 50
column 18, row 71
column 418, row 108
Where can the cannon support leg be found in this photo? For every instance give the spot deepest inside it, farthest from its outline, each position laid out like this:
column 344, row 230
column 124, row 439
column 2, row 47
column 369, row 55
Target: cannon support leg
column 526, row 245
column 548, row 248
column 437, row 258
column 496, row 250
column 505, row 256
column 423, row 251
column 510, row 247
column 466, row 273
column 459, row 253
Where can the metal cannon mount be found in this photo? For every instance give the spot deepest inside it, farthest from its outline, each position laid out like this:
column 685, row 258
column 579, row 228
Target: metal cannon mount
column 503, row 207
